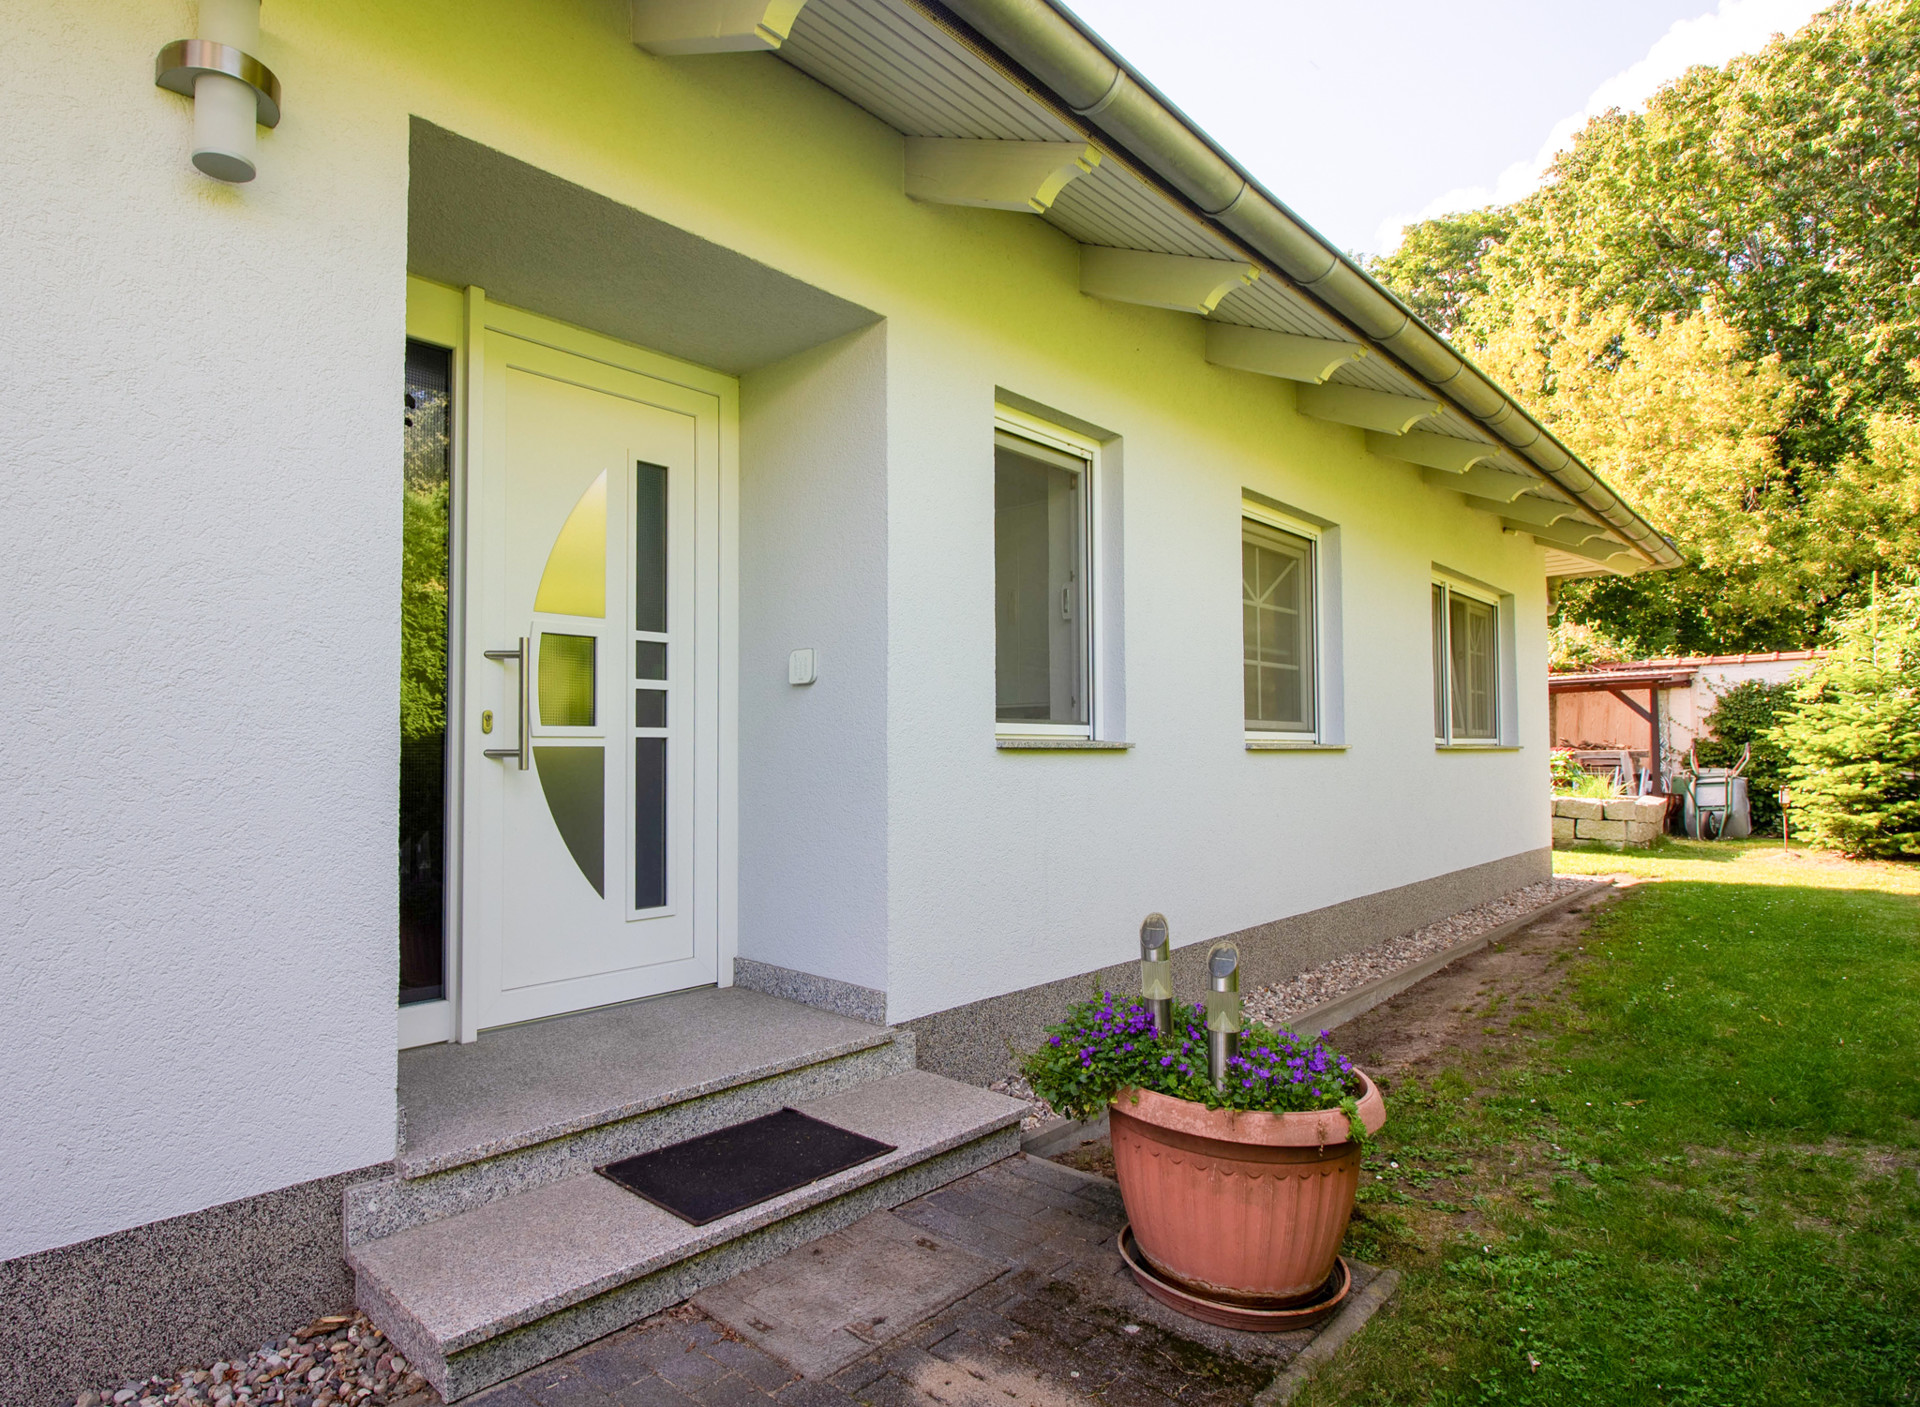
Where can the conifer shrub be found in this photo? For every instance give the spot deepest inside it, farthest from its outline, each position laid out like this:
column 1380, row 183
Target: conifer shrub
column 1852, row 734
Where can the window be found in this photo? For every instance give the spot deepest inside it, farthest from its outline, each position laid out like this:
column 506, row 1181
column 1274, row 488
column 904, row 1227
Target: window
column 1466, row 669
column 1043, row 637
column 1277, row 605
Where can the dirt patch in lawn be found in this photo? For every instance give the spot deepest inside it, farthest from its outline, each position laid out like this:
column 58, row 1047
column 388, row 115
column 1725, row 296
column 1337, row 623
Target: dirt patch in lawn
column 1472, row 1002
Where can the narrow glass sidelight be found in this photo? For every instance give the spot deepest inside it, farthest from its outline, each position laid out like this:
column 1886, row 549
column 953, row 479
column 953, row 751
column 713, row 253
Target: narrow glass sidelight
column 424, row 570
column 1439, row 661
column 652, row 707
column 1041, row 635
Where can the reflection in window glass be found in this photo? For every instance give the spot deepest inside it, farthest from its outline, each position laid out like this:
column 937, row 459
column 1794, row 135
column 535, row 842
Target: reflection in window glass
column 1470, row 650
column 1040, row 594
column 649, row 708
column 424, row 567
column 649, row 659
column 1276, row 610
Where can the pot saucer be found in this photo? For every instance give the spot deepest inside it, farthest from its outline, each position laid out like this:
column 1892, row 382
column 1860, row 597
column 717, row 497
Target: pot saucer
column 1236, row 1316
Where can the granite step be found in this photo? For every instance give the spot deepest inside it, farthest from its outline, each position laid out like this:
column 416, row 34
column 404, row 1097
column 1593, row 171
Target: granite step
column 535, row 1104
column 474, row 1298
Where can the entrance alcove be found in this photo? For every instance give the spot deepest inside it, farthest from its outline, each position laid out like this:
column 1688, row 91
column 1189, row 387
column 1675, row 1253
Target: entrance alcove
column 803, row 558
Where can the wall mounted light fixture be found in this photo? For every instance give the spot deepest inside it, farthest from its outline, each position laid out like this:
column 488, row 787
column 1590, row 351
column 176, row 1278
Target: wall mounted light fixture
column 232, row 91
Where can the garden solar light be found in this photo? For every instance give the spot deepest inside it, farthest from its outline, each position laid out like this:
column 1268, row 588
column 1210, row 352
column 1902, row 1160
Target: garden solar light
column 1156, row 972
column 1223, row 1009
column 232, row 91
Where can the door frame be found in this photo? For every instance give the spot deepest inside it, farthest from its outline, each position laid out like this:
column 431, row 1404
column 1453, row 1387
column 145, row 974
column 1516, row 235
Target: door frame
column 461, row 319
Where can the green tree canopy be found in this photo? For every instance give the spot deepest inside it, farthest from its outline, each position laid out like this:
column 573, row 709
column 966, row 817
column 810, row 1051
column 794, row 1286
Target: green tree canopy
column 1717, row 303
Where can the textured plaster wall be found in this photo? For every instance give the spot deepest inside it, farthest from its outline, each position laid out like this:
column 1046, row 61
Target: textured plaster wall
column 1009, row 869
column 813, row 574
column 201, row 548
column 200, row 551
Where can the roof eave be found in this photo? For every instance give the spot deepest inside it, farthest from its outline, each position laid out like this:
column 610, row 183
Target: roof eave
column 1063, row 62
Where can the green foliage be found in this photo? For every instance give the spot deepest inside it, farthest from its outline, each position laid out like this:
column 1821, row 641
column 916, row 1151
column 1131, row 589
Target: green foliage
column 423, row 613
column 1778, row 198
column 1853, row 734
column 1106, row 1045
column 1438, row 266
column 1743, row 719
column 1571, row 779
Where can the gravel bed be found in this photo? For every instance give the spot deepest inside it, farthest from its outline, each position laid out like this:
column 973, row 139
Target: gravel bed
column 1274, row 1003
column 339, row 1359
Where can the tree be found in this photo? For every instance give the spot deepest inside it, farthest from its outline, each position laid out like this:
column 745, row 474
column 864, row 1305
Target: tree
column 1437, row 267
column 1852, row 734
column 1777, row 199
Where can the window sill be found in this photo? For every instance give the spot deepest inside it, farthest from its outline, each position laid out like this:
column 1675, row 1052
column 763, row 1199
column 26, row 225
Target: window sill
column 1060, row 745
column 1477, row 747
column 1283, row 745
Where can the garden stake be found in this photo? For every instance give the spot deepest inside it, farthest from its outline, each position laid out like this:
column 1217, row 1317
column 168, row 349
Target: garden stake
column 1156, row 972
column 1223, row 1010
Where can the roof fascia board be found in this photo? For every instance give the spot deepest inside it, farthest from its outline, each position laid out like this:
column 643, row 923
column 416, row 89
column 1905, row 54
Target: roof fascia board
column 1047, row 52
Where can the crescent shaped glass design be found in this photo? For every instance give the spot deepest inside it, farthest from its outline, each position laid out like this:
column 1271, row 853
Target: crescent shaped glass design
column 575, row 580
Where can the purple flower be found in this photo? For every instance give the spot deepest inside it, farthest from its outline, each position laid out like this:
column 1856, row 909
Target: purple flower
column 1165, row 1061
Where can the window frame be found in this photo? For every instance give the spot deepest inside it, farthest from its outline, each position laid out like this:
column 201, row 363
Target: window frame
column 1316, row 559
column 1451, row 586
column 1021, row 426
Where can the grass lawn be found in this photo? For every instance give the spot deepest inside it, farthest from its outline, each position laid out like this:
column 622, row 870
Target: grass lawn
column 1689, row 1177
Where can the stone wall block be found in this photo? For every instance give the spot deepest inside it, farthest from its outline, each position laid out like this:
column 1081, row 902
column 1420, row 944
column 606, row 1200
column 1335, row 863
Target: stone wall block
column 1580, row 808
column 1601, row 830
column 1562, row 828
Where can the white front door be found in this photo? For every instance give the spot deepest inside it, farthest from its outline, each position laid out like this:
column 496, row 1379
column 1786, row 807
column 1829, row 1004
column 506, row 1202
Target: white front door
column 592, row 681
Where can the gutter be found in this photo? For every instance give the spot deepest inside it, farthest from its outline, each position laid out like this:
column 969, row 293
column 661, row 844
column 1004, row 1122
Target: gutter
column 1041, row 45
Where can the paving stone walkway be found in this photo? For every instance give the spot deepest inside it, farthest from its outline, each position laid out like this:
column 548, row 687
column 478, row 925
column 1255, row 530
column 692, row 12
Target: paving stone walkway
column 1062, row 1325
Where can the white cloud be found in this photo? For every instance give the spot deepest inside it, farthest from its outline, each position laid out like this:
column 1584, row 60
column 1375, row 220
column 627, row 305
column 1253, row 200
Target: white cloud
column 1736, row 27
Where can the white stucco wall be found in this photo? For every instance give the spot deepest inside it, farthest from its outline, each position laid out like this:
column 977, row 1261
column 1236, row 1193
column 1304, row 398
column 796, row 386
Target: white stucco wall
column 813, row 575
column 1013, row 868
column 201, row 549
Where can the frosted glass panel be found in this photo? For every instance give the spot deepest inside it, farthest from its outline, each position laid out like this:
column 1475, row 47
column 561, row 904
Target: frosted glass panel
column 650, row 823
column 574, row 780
column 650, row 547
column 566, row 680
column 575, row 580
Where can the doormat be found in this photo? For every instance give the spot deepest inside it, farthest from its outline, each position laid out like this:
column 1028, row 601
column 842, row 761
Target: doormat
column 731, row 1169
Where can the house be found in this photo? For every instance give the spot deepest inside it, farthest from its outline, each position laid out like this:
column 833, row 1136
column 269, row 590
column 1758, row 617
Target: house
column 1656, row 707
column 852, row 503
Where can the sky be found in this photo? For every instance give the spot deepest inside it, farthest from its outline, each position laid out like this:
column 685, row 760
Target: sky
column 1367, row 114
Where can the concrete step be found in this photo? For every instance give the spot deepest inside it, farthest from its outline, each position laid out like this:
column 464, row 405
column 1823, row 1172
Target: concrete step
column 535, row 1104
column 477, row 1297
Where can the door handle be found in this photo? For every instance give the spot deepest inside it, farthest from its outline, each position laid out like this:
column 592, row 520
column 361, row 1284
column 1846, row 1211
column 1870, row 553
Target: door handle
column 524, row 752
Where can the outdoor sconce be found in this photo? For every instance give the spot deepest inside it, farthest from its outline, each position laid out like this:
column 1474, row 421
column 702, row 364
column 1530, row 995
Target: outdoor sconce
column 1223, row 1009
column 232, row 91
column 1156, row 972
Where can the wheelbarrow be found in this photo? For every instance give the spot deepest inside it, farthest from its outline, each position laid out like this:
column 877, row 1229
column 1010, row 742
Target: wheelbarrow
column 1714, row 800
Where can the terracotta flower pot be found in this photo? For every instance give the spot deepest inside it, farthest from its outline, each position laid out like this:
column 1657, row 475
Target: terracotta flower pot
column 1242, row 1207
